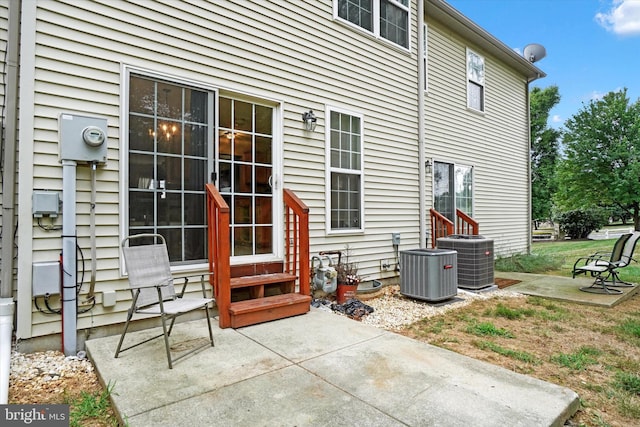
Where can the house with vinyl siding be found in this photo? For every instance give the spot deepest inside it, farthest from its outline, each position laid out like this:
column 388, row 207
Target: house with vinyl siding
column 415, row 107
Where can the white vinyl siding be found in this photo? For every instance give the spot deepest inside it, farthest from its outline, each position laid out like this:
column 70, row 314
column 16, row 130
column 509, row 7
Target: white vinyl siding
column 494, row 143
column 287, row 52
column 298, row 57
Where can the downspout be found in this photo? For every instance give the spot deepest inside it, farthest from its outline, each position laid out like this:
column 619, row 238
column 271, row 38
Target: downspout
column 422, row 186
column 69, row 267
column 8, row 198
column 529, row 189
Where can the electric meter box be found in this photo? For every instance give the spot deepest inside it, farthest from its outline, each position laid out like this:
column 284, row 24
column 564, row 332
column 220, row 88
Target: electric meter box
column 82, row 138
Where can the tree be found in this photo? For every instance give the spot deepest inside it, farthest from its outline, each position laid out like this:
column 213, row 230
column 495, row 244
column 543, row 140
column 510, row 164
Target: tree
column 544, row 152
column 602, row 163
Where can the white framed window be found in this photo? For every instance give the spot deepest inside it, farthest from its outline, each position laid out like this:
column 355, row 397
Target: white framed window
column 345, row 173
column 475, row 80
column 452, row 189
column 168, row 161
column 387, row 19
column 246, row 168
column 464, row 188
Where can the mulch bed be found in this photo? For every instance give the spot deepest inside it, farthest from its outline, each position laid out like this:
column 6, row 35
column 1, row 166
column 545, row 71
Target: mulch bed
column 504, row 283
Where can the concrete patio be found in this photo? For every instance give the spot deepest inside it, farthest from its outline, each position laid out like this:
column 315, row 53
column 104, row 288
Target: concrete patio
column 566, row 289
column 325, row 369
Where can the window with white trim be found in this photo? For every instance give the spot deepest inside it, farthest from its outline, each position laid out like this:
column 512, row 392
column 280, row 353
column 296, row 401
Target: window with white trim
column 475, row 81
column 170, row 127
column 464, row 188
column 345, row 172
column 388, row 19
column 452, row 189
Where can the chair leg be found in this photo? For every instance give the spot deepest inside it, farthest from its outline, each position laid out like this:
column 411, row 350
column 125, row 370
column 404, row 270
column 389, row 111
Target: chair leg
column 206, row 311
column 124, row 332
column 173, row 320
column 616, row 282
column 599, row 286
column 166, row 339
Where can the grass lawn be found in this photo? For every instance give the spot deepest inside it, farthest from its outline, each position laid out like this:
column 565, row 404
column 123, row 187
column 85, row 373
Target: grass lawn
column 592, row 350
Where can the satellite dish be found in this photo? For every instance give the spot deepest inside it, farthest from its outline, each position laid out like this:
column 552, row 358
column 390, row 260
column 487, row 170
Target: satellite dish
column 534, row 52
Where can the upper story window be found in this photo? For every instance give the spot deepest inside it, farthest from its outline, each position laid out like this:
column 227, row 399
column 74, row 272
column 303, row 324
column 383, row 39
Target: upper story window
column 345, row 171
column 475, row 81
column 388, row 19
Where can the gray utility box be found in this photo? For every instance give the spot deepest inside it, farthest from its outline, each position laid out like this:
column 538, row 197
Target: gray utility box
column 428, row 274
column 475, row 259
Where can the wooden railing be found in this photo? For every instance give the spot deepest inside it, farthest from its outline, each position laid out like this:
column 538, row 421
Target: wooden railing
column 441, row 226
column 297, row 240
column 219, row 252
column 465, row 224
column 296, row 260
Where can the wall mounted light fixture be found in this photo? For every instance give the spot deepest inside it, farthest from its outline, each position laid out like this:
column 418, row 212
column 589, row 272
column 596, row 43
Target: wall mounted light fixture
column 428, row 165
column 309, row 120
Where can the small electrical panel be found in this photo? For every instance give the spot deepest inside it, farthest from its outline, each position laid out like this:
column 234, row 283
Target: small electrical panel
column 46, row 278
column 109, row 298
column 45, row 203
column 82, row 138
column 395, row 239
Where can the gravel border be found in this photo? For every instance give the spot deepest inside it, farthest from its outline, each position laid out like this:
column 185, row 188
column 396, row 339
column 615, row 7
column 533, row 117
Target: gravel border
column 394, row 311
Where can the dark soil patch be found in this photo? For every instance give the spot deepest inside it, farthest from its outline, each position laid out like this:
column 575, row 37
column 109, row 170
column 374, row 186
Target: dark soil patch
column 504, row 283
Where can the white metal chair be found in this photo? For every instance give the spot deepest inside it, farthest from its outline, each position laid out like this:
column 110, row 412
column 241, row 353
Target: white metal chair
column 152, row 290
column 604, row 266
column 626, row 259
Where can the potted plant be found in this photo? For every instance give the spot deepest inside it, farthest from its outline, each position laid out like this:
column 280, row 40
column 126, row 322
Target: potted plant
column 348, row 279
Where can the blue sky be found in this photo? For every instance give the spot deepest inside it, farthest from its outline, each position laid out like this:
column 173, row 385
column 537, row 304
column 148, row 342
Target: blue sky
column 593, row 46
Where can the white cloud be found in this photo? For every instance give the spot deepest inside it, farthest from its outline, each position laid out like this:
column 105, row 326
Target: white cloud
column 595, row 95
column 623, row 18
column 556, row 119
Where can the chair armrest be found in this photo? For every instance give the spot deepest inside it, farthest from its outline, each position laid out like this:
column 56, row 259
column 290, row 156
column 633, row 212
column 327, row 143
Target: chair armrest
column 186, row 281
column 157, row 285
column 588, row 259
column 602, row 254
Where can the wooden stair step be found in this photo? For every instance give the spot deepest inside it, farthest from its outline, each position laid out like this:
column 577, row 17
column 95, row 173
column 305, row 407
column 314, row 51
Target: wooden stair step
column 253, row 311
column 261, row 279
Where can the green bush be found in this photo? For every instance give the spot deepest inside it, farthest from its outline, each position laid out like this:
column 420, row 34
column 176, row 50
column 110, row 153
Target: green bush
column 577, row 224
